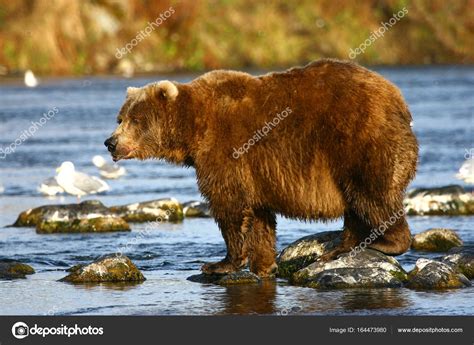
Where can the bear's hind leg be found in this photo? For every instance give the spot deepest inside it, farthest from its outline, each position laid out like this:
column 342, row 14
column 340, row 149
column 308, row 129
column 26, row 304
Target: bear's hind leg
column 355, row 230
column 395, row 240
column 261, row 243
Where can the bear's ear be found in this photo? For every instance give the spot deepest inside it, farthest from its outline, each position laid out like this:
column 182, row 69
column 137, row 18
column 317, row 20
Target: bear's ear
column 166, row 89
column 133, row 91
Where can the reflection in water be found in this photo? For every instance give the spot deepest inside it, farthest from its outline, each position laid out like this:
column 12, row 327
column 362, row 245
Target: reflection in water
column 250, row 299
column 374, row 299
column 117, row 286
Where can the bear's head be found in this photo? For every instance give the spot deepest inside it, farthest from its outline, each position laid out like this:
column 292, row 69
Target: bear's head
column 145, row 129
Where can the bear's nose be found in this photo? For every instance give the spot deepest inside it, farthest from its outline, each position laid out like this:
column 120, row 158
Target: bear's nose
column 111, row 143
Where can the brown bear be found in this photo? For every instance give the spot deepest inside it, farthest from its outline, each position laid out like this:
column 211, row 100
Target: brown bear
column 318, row 142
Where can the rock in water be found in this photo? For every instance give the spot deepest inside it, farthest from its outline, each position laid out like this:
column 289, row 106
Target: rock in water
column 99, row 224
column 108, row 268
column 433, row 275
column 450, row 200
column 85, row 209
column 150, row 211
column 305, row 251
column 10, row 269
column 88, row 216
column 241, row 277
column 462, row 260
column 367, row 269
column 196, row 209
column 436, row 240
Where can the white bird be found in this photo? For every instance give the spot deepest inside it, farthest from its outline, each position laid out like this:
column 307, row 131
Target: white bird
column 466, row 172
column 1, row 189
column 110, row 171
column 30, row 79
column 77, row 183
column 50, row 187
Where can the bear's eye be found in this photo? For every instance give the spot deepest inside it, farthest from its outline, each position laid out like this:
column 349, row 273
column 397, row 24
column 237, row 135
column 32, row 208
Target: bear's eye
column 119, row 121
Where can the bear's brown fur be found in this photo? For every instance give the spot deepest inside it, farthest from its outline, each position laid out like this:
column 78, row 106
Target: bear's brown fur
column 343, row 146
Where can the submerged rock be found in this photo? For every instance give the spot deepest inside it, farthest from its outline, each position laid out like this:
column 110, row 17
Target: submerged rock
column 305, row 251
column 433, row 275
column 462, row 260
column 84, row 210
column 149, row 211
column 100, row 224
column 107, row 268
column 196, row 209
column 10, row 269
column 241, row 277
column 436, row 240
column 450, row 200
column 367, row 269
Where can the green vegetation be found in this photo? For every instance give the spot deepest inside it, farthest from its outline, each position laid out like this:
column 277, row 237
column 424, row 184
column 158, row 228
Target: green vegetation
column 82, row 37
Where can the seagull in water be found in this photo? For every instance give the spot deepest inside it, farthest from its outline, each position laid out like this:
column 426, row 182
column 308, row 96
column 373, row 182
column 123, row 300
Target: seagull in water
column 466, row 172
column 110, row 171
column 1, row 189
column 77, row 183
column 30, row 79
column 50, row 187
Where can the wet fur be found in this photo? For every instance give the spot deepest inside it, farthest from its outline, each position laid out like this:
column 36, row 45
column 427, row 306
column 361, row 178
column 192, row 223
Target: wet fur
column 346, row 150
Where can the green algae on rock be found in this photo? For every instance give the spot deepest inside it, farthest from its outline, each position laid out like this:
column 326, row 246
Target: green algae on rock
column 10, row 269
column 99, row 224
column 107, row 268
column 451, row 200
column 168, row 209
column 305, row 251
column 462, row 260
column 436, row 240
column 435, row 275
column 367, row 269
column 196, row 209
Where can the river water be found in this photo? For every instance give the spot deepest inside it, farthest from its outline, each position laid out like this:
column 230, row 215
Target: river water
column 440, row 99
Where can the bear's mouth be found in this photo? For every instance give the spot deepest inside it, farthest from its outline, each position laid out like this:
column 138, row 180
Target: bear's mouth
column 118, row 157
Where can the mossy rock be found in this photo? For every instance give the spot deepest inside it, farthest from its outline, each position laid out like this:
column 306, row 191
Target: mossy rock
column 350, row 278
column 236, row 278
column 150, row 211
column 436, row 240
column 366, row 269
column 67, row 212
column 108, row 268
column 434, row 275
column 196, row 209
column 305, row 251
column 10, row 269
column 462, row 260
column 451, row 200
column 100, row 224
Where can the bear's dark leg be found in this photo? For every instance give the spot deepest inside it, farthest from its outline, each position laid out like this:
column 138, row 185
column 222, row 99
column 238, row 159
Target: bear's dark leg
column 395, row 240
column 261, row 243
column 355, row 230
column 391, row 237
column 233, row 227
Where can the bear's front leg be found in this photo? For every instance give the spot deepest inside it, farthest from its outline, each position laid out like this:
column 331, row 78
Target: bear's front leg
column 233, row 230
column 261, row 243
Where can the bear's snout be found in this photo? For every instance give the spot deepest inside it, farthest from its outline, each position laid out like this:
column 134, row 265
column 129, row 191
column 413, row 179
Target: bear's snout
column 111, row 144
